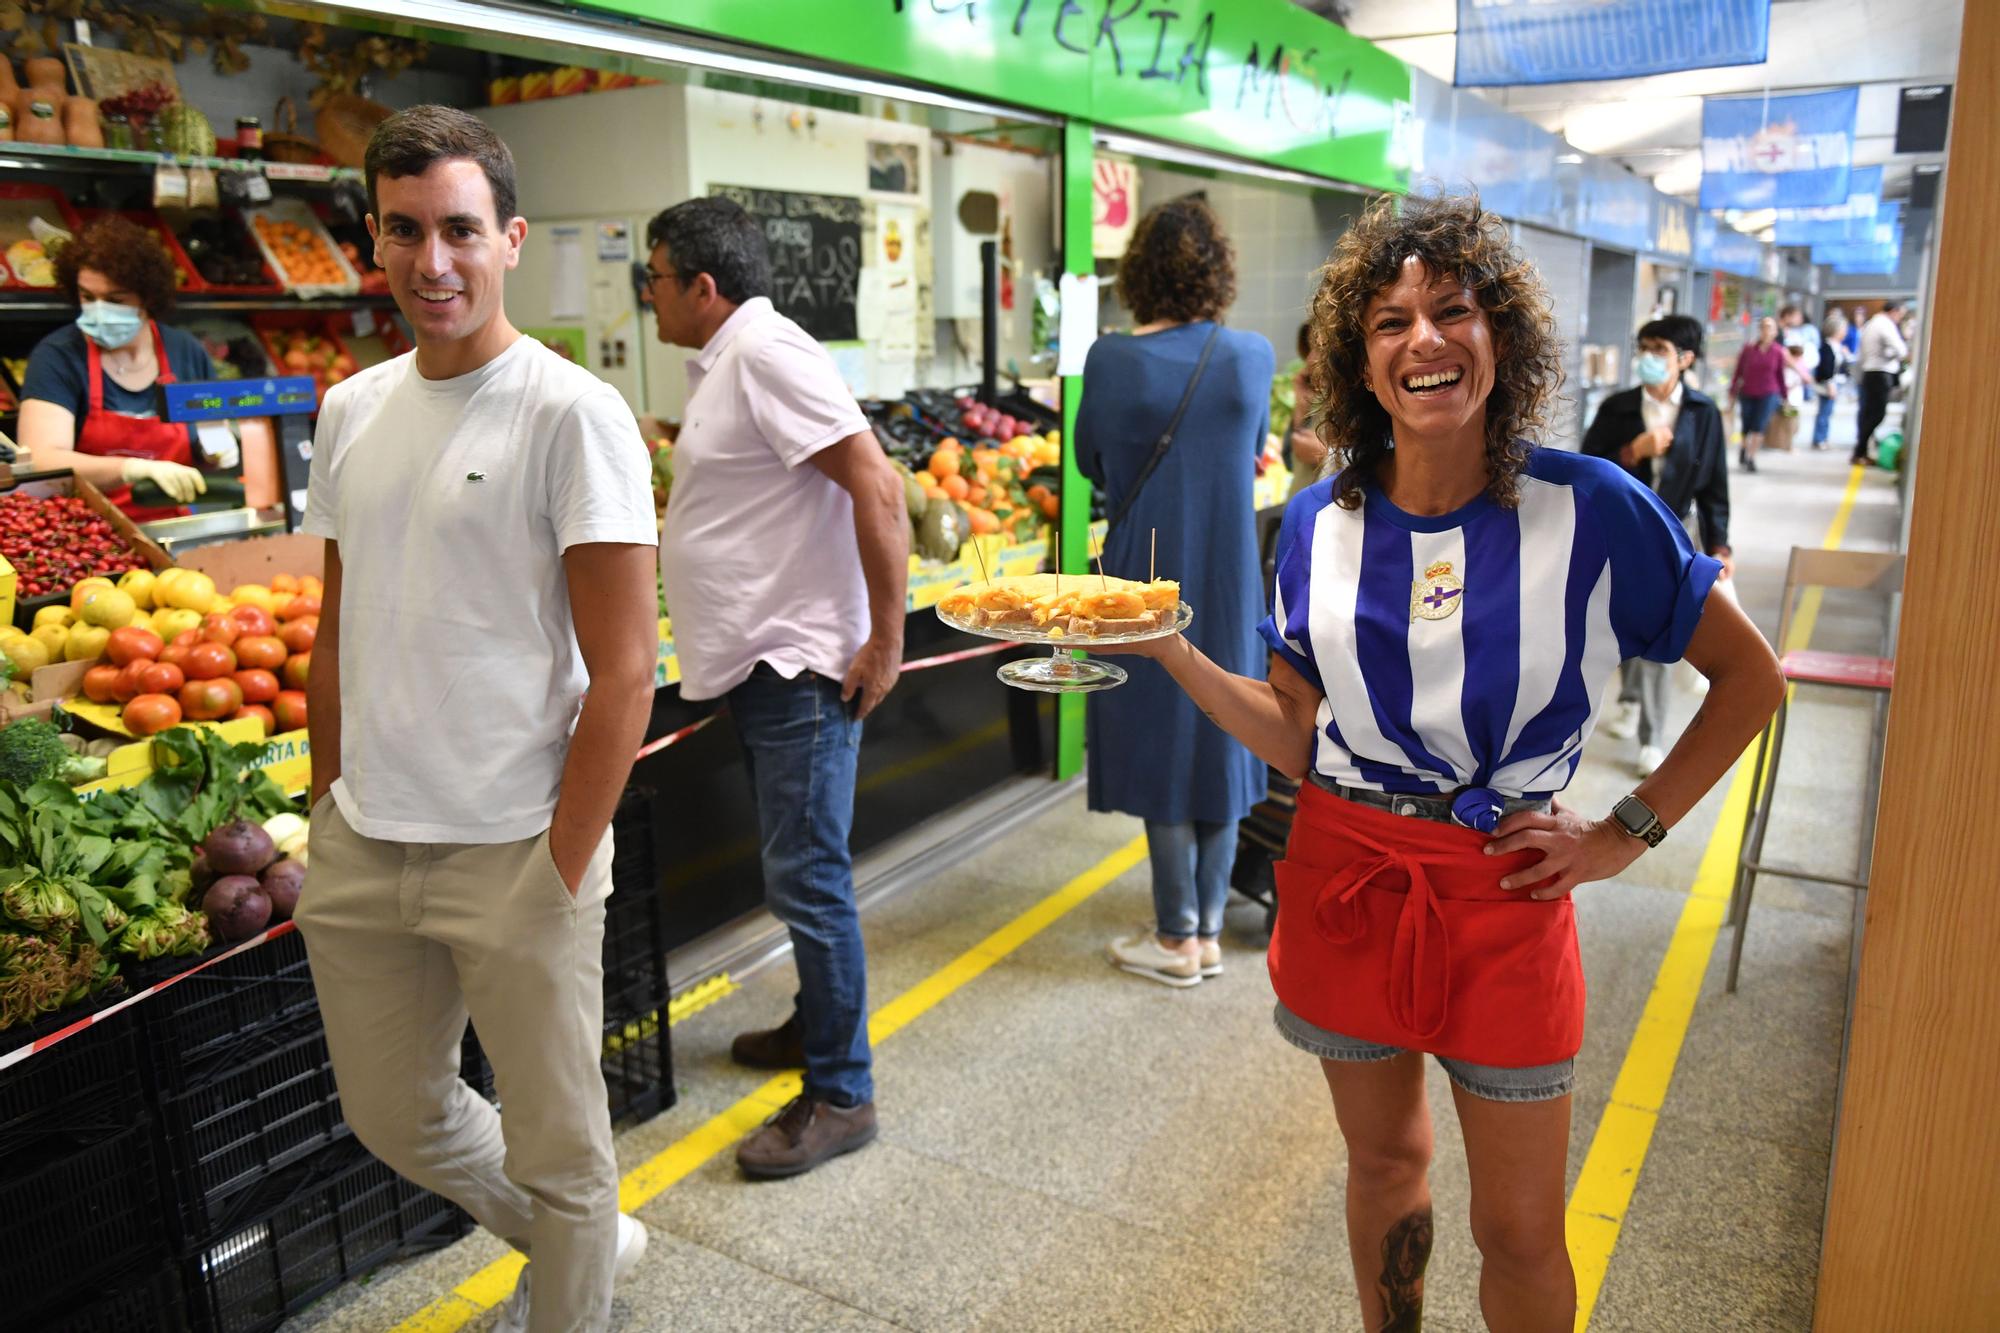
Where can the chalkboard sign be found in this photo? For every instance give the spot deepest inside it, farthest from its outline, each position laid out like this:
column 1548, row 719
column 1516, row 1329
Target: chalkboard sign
column 815, row 242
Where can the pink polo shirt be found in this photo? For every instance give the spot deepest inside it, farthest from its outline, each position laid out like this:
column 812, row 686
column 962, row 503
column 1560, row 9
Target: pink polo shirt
column 758, row 556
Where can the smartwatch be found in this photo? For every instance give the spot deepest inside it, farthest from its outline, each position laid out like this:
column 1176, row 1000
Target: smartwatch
column 1637, row 818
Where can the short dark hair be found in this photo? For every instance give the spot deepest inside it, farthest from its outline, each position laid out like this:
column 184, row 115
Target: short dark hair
column 410, row 142
column 1893, row 304
column 715, row 236
column 1179, row 264
column 1790, row 309
column 125, row 252
column 1683, row 331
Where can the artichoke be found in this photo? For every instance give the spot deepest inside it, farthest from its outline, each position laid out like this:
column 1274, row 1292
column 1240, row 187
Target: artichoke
column 40, row 903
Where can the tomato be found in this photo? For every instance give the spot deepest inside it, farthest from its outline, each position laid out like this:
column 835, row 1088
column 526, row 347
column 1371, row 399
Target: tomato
column 187, row 638
column 253, row 619
column 208, row 661
column 126, row 687
column 305, row 604
column 210, row 700
column 296, row 668
column 99, row 683
column 261, row 713
column 150, row 713
column 290, row 708
column 259, row 686
column 298, row 635
column 128, row 645
column 177, row 652
column 162, row 678
column 260, row 650
column 219, row 628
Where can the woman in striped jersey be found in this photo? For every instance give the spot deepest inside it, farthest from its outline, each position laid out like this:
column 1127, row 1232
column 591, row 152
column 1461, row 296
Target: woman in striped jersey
column 1450, row 606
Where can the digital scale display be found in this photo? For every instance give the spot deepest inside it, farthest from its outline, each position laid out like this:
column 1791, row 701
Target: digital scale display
column 220, row 400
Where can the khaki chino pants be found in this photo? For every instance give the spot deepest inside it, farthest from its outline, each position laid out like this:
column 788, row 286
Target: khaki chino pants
column 406, row 940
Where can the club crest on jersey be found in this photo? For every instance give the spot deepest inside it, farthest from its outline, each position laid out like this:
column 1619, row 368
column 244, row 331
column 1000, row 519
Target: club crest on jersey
column 1437, row 594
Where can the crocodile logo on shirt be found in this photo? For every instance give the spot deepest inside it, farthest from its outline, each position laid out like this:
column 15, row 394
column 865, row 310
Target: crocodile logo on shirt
column 1437, row 594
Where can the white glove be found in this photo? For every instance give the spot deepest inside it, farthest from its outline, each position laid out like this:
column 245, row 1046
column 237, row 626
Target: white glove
column 181, row 482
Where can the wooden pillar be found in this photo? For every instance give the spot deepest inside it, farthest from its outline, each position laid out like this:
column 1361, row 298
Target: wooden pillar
column 1912, row 1240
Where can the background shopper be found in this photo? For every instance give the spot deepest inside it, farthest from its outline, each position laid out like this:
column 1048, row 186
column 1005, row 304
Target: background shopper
column 1883, row 349
column 1152, row 753
column 785, row 556
column 1829, row 369
column 1305, row 452
column 461, row 846
column 1671, row 438
column 1757, row 386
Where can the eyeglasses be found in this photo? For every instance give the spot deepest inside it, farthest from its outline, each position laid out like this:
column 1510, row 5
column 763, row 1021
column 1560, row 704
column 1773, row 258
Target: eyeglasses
column 654, row 279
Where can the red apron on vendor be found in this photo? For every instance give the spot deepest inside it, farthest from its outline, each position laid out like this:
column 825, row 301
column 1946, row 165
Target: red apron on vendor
column 90, row 401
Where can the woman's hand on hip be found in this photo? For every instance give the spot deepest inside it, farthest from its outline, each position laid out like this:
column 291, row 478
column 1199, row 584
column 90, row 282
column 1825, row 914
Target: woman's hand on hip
column 1574, row 850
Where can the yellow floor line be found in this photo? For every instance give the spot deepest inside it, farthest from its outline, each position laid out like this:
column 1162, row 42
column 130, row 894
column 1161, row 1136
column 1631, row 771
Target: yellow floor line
column 491, row 1284
column 1610, row 1174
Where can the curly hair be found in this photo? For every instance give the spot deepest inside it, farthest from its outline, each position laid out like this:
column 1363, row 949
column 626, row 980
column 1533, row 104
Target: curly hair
column 126, row 253
column 1452, row 236
column 1179, row 265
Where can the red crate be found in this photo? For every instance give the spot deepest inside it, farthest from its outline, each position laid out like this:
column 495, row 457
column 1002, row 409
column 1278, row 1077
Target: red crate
column 18, row 200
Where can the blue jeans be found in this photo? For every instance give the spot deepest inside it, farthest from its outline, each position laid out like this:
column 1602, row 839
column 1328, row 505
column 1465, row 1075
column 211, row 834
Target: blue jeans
column 800, row 743
column 1823, row 423
column 1191, row 865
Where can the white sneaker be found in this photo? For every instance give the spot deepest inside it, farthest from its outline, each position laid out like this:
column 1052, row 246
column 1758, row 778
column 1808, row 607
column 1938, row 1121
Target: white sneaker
column 513, row 1316
column 1140, row 954
column 1622, row 722
column 1650, row 758
column 1211, row 958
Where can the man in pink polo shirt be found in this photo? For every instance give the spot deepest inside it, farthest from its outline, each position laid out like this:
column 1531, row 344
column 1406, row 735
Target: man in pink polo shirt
column 784, row 559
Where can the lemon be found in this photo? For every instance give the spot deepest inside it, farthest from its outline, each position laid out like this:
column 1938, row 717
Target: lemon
column 55, row 615
column 138, row 583
column 221, row 604
column 27, row 655
column 86, row 643
column 253, row 594
column 166, row 579
column 53, row 637
column 140, row 619
column 10, row 632
column 107, row 608
column 172, row 623
column 87, row 587
column 192, row 591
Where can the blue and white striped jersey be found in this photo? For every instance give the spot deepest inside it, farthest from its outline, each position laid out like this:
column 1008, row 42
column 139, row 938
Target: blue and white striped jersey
column 1469, row 649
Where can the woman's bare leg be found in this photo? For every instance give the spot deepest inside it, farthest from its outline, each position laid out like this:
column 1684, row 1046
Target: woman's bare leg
column 1517, row 1153
column 1387, row 1125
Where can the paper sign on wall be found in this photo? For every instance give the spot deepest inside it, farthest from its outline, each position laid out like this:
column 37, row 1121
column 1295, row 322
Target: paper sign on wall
column 569, row 294
column 1079, row 322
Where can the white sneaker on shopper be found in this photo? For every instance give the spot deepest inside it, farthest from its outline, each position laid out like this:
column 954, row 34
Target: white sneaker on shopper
column 1622, row 722
column 1141, row 954
column 1211, row 958
column 513, row 1316
column 1650, row 758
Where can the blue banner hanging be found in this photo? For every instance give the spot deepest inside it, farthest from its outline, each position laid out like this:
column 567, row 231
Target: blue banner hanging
column 1725, row 248
column 1777, row 152
column 1505, row 42
column 1842, row 222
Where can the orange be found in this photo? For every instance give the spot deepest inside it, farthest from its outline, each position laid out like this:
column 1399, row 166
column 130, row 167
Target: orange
column 982, row 521
column 944, row 463
column 956, row 486
column 1051, row 506
column 284, row 583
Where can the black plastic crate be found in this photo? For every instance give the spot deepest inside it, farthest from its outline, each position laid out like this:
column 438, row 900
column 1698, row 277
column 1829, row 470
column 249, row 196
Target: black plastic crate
column 227, row 1124
column 144, row 1302
column 72, row 1218
column 339, row 1215
column 90, row 1081
column 259, row 989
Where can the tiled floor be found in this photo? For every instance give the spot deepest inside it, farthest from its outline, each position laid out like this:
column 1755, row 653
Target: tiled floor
column 1067, row 1147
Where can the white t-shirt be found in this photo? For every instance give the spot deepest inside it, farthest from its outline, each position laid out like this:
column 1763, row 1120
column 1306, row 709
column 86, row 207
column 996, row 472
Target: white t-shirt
column 453, row 501
column 759, row 559
column 1882, row 345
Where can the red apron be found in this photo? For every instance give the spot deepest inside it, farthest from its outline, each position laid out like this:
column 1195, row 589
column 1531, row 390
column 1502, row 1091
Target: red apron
column 1395, row 930
column 108, row 434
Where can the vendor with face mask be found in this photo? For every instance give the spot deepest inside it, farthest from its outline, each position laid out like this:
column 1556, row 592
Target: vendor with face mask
column 90, row 401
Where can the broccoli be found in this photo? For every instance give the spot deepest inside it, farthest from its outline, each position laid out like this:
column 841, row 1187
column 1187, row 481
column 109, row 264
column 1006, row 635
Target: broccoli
column 31, row 750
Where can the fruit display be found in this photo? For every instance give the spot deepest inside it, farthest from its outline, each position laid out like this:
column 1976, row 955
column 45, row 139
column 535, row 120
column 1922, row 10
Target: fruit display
column 298, row 248
column 1004, row 483
column 55, row 541
column 306, row 345
column 30, row 216
column 224, row 253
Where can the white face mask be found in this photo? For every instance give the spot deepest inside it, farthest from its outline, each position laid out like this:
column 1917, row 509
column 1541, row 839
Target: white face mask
column 109, row 324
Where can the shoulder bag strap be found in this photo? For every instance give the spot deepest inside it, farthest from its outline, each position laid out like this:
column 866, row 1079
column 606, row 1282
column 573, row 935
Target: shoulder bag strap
column 1167, row 436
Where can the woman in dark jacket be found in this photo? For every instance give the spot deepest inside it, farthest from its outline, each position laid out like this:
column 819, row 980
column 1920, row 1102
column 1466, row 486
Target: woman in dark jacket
column 1152, row 753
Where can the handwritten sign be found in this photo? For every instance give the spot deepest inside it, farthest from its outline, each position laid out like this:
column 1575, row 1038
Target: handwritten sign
column 815, row 244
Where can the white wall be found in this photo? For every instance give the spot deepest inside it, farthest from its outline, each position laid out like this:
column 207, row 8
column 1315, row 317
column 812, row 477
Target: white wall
column 1023, row 184
column 599, row 153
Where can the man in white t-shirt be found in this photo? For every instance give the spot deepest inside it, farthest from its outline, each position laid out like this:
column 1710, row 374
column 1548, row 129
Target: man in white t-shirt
column 487, row 510
column 784, row 559
column 1883, row 350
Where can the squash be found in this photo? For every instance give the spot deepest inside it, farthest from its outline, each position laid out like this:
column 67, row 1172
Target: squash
column 80, row 123
column 38, row 116
column 7, row 84
column 49, row 73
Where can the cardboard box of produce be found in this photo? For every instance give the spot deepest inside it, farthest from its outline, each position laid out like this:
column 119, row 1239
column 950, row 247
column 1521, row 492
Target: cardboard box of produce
column 46, row 688
column 257, row 559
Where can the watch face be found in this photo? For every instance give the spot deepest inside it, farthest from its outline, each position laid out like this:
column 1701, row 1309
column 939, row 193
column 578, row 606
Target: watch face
column 1632, row 814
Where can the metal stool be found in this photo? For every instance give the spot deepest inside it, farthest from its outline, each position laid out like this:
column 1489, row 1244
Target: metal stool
column 1810, row 567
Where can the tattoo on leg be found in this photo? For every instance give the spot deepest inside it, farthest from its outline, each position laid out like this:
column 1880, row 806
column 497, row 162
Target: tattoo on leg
column 1405, row 1252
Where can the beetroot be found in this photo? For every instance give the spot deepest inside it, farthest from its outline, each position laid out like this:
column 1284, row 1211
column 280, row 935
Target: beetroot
column 282, row 882
column 236, row 907
column 201, row 873
column 239, row 848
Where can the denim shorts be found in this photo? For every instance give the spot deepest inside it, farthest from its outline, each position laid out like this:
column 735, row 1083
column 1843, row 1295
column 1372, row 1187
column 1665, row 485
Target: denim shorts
column 1536, row 1083
column 1756, row 409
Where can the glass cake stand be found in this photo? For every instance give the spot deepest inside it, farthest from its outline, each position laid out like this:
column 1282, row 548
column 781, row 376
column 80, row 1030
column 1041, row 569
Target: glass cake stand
column 1060, row 673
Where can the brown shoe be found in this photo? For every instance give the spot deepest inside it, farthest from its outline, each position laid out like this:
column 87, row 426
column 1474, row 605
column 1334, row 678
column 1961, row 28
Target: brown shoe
column 804, row 1134
column 781, row 1047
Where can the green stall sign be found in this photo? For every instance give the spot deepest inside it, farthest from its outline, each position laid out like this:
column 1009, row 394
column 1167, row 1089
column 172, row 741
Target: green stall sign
column 1257, row 79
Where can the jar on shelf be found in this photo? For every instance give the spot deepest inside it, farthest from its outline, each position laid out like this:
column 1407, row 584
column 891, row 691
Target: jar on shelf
column 249, row 138
column 118, row 131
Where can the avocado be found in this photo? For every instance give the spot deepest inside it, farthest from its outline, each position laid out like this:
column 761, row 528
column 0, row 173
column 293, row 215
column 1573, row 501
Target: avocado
column 942, row 530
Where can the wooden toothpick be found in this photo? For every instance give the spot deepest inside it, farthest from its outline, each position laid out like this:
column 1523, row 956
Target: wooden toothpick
column 1097, row 547
column 1153, row 559
column 980, row 556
